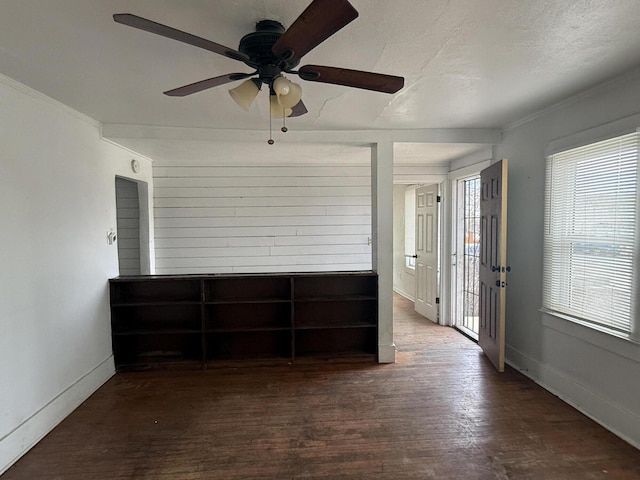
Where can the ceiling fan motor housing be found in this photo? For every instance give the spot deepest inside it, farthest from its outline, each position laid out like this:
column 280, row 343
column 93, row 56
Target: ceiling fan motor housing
column 258, row 47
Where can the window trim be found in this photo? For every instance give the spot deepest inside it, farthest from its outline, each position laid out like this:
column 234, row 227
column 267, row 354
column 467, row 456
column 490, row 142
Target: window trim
column 606, row 131
column 596, row 334
column 610, row 340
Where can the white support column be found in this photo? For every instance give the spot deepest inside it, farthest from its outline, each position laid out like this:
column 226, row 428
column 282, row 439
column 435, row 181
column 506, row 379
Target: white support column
column 382, row 244
column 147, row 250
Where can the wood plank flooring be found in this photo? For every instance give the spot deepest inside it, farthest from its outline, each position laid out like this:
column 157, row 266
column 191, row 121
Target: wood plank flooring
column 440, row 412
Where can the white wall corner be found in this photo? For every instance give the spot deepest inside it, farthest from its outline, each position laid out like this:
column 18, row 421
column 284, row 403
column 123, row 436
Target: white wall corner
column 382, row 239
column 603, row 411
column 33, row 429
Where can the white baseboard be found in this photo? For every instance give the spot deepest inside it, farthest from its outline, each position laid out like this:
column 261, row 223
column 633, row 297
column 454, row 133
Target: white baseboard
column 387, row 353
column 404, row 294
column 22, row 438
column 613, row 417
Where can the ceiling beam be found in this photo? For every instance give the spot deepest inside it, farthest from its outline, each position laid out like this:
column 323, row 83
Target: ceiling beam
column 487, row 136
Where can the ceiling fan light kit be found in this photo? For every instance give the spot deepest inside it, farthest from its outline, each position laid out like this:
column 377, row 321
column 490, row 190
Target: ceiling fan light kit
column 281, row 85
column 272, row 51
column 276, row 109
column 288, row 93
column 245, row 93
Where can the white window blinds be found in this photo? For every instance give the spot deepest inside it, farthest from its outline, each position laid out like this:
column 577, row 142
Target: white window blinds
column 590, row 232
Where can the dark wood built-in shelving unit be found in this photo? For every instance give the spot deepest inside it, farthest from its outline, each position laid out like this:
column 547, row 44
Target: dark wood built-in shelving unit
column 206, row 320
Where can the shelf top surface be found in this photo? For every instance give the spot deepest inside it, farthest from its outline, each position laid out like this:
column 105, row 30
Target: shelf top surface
column 214, row 276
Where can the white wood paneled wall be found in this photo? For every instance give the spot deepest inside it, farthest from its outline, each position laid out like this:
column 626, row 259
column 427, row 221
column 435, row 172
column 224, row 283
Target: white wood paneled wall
column 241, row 218
column 128, row 220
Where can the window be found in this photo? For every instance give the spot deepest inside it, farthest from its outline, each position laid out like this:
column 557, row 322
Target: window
column 410, row 228
column 590, row 233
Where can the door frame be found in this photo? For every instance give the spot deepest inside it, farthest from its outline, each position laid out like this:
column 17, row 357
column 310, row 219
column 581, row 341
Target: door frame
column 442, row 181
column 447, row 226
column 449, row 289
column 145, row 224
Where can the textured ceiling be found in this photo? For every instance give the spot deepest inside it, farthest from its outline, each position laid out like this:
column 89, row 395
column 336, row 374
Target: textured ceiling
column 467, row 63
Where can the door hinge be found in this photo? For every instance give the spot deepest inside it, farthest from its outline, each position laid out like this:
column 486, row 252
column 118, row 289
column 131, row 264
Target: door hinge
column 437, row 300
column 438, row 199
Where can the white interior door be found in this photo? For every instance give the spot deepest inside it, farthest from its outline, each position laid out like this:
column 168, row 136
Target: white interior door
column 427, row 252
column 493, row 266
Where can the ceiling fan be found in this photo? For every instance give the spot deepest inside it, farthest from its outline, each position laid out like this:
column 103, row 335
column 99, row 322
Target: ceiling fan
column 273, row 51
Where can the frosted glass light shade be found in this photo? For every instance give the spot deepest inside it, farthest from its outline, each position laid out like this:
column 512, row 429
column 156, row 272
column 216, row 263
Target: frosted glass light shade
column 277, row 110
column 245, row 93
column 292, row 97
column 281, row 85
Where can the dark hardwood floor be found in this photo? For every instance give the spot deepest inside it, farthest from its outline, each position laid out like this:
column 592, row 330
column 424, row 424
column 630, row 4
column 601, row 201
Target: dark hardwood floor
column 440, row 412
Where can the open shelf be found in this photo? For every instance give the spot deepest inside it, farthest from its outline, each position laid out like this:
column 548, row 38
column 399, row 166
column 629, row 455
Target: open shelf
column 248, row 316
column 160, row 289
column 248, row 289
column 152, row 318
column 323, row 288
column 206, row 320
column 333, row 342
column 335, row 314
column 138, row 350
column 248, row 345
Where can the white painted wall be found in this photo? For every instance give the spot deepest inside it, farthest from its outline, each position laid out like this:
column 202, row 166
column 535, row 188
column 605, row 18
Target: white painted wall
column 216, row 216
column 594, row 372
column 57, row 202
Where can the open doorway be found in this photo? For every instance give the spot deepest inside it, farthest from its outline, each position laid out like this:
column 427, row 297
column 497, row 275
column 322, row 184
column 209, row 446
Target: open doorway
column 466, row 294
column 417, row 240
column 128, row 226
column 134, row 227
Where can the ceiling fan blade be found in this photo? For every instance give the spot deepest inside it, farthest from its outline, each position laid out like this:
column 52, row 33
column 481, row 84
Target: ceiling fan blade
column 298, row 110
column 205, row 84
column 352, row 78
column 169, row 32
column 320, row 20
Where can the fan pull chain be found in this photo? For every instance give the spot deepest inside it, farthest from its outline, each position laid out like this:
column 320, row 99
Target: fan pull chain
column 270, row 141
column 284, row 122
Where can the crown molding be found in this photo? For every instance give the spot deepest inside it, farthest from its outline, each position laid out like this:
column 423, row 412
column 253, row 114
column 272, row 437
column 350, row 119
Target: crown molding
column 35, row 94
column 601, row 87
